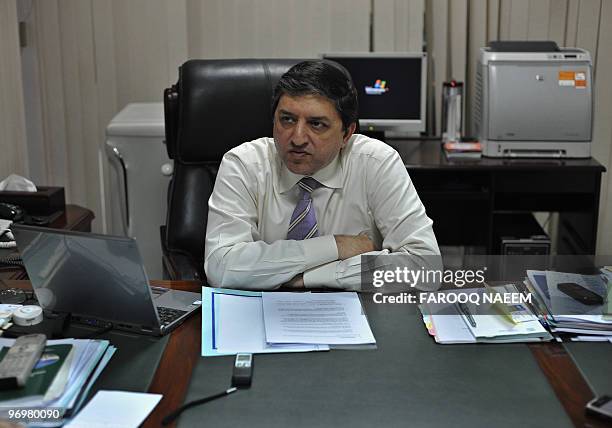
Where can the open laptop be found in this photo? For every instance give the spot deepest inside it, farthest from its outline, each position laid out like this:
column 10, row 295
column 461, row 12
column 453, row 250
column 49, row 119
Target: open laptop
column 99, row 279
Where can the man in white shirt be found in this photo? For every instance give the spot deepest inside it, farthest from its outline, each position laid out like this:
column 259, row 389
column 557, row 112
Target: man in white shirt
column 298, row 210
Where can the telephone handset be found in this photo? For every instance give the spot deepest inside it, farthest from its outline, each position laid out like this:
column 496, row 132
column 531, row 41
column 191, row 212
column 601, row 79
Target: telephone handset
column 11, row 212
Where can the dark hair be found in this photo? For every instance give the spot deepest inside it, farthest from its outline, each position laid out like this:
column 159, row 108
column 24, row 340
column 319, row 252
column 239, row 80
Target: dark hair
column 322, row 77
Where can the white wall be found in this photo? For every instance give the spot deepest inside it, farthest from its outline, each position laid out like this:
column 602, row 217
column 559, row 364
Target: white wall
column 12, row 116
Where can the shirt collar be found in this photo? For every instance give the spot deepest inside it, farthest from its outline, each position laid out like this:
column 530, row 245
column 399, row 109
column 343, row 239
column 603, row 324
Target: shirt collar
column 329, row 176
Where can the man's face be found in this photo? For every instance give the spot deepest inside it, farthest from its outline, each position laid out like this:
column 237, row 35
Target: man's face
column 308, row 132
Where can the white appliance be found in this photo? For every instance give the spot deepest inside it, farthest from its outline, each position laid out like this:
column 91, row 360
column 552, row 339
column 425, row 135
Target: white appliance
column 140, row 171
column 534, row 103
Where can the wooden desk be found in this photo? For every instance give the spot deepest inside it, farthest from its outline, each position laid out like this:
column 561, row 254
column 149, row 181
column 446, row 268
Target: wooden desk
column 74, row 218
column 182, row 353
column 468, row 199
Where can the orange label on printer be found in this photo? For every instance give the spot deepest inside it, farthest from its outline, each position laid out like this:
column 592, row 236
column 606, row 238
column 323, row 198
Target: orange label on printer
column 572, row 78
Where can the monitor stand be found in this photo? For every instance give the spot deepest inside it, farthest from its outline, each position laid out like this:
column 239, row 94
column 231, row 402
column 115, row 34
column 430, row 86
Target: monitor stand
column 377, row 135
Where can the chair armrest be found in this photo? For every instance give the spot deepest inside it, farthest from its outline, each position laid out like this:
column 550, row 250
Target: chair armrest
column 178, row 265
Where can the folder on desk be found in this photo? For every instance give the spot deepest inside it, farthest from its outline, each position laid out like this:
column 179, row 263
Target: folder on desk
column 564, row 314
column 448, row 325
column 79, row 363
column 236, row 321
column 232, row 322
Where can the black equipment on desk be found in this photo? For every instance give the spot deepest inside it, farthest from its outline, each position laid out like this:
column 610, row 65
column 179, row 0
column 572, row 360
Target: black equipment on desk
column 18, row 214
column 520, row 235
column 241, row 378
column 59, row 264
column 580, row 293
column 13, row 259
column 46, row 201
column 243, row 371
column 11, row 212
column 600, row 407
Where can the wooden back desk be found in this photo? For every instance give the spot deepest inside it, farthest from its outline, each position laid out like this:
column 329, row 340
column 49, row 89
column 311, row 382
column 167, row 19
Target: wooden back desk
column 470, row 199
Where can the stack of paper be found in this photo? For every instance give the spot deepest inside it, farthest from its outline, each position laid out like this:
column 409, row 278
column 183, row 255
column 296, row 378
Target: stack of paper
column 565, row 314
column 316, row 319
column 236, row 321
column 462, row 150
column 448, row 324
column 62, row 377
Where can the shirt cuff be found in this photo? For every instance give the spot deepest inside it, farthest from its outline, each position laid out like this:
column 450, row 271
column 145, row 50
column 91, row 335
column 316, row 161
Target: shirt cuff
column 322, row 276
column 319, row 250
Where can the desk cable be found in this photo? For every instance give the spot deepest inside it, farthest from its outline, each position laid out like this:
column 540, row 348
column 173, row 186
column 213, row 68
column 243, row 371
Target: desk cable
column 172, row 416
column 241, row 378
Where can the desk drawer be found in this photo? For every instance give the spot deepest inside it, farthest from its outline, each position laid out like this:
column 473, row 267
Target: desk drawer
column 545, row 182
column 453, row 184
column 534, row 201
column 457, row 223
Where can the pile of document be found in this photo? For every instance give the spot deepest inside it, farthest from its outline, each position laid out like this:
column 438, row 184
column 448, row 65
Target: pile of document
column 451, row 323
column 236, row 321
column 566, row 314
column 463, row 150
column 62, row 377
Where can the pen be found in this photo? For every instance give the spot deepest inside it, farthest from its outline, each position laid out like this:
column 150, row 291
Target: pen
column 465, row 311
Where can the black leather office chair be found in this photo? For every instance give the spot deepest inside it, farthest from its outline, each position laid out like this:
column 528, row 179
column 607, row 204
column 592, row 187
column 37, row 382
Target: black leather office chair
column 215, row 106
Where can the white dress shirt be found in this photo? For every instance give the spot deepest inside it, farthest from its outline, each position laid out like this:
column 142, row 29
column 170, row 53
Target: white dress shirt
column 365, row 189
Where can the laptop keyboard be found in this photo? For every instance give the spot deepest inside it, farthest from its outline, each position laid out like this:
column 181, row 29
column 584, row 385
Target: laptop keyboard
column 167, row 315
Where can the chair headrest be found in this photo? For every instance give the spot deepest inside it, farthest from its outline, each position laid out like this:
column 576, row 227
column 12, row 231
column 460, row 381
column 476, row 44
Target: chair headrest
column 221, row 104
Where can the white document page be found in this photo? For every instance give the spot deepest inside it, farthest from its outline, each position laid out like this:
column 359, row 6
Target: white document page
column 117, row 409
column 495, row 326
column 448, row 325
column 490, row 326
column 325, row 318
column 241, row 327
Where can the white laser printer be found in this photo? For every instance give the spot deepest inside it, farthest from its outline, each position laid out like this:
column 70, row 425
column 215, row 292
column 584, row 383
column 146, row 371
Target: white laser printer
column 534, row 99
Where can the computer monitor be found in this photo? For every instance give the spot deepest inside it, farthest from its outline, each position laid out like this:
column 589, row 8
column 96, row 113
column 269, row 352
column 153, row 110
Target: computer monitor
column 392, row 89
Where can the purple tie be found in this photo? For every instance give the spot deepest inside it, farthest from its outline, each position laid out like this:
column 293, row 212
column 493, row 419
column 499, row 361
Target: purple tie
column 303, row 224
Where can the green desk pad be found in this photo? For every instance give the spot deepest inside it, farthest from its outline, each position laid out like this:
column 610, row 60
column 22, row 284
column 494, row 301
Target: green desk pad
column 595, row 363
column 408, row 381
column 133, row 365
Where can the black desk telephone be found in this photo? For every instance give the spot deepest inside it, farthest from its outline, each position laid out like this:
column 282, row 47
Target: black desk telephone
column 11, row 212
column 18, row 215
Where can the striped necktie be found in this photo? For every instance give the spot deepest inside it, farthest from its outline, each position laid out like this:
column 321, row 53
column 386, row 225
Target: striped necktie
column 303, row 224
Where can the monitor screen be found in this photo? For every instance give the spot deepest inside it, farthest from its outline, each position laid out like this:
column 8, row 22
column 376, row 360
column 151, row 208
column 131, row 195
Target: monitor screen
column 391, row 89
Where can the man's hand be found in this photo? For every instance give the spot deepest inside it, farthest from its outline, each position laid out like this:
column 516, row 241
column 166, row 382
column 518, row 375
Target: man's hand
column 353, row 245
column 295, row 282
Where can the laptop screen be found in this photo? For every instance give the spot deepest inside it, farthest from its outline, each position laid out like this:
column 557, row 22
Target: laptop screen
column 85, row 274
